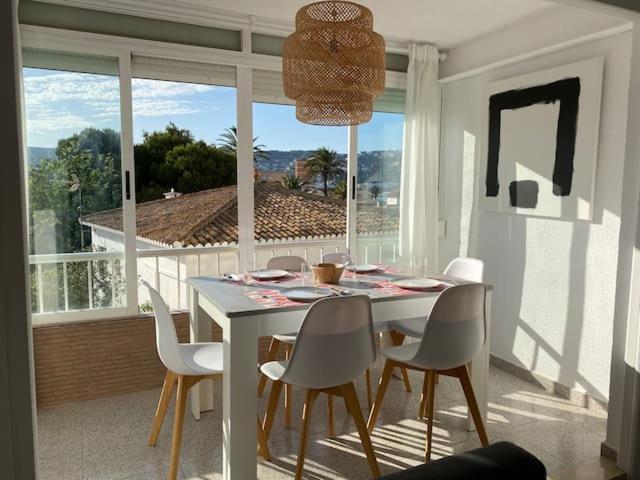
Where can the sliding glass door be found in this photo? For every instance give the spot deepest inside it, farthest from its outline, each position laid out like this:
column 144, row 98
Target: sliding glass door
column 73, row 170
column 378, row 188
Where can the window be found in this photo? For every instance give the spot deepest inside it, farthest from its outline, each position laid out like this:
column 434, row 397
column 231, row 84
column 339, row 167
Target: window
column 73, row 172
column 300, row 185
column 378, row 188
column 185, row 170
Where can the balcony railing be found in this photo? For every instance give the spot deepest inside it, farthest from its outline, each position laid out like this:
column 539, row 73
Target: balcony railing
column 71, row 283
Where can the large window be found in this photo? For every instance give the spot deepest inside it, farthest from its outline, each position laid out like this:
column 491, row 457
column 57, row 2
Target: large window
column 73, row 171
column 179, row 163
column 378, row 188
column 300, row 185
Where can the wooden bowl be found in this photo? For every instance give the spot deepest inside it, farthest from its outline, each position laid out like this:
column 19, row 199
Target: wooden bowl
column 328, row 273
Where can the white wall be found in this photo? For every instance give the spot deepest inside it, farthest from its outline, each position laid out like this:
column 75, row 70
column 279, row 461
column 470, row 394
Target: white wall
column 554, row 280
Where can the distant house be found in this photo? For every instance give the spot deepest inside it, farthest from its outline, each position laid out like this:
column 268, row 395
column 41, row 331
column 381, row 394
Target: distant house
column 210, row 218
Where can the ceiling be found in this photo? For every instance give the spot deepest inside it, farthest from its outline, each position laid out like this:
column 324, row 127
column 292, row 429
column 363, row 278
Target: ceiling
column 445, row 23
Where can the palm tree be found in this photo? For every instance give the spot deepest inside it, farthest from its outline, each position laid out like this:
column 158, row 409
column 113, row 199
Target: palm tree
column 292, row 182
column 324, row 163
column 340, row 190
column 229, row 142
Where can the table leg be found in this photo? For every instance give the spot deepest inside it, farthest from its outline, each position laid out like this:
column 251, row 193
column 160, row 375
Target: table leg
column 479, row 370
column 239, row 399
column 199, row 331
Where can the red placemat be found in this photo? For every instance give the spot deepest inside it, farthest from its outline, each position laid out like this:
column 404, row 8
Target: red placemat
column 271, row 298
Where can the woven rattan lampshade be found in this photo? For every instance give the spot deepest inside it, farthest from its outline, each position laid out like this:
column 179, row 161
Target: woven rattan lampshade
column 333, row 64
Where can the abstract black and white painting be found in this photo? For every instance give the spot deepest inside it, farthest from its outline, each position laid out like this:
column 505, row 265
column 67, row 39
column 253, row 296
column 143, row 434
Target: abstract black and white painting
column 542, row 142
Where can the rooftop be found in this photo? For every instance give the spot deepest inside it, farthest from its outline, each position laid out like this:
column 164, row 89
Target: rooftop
column 210, row 217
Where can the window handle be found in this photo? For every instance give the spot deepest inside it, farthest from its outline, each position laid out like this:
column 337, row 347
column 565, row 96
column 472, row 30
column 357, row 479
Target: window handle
column 127, row 184
column 353, row 187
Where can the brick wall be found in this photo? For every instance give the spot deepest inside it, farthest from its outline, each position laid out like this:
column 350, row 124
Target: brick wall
column 84, row 361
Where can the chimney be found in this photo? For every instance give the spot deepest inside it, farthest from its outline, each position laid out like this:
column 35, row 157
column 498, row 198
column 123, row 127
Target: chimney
column 300, row 170
column 171, row 194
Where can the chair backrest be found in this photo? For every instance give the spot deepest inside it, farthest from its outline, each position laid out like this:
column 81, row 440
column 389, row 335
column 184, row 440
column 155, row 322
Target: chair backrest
column 470, row 269
column 166, row 337
column 290, row 263
column 456, row 328
column 335, row 343
column 333, row 257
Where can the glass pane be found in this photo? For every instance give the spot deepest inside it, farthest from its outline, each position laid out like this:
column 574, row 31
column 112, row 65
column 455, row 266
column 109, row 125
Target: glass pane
column 74, row 174
column 185, row 161
column 300, row 185
column 378, row 189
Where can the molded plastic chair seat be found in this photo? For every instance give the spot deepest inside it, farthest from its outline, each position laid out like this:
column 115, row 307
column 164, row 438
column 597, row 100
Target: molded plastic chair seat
column 274, row 370
column 201, row 358
column 401, row 353
column 289, row 338
column 411, row 327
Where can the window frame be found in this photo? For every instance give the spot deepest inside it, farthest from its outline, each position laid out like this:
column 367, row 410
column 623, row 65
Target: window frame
column 245, row 62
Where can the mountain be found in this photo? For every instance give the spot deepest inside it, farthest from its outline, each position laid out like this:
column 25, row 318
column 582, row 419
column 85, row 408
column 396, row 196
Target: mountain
column 38, row 154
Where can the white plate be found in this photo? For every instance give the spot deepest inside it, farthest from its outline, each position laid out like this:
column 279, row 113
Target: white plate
column 306, row 294
column 269, row 274
column 363, row 268
column 417, row 283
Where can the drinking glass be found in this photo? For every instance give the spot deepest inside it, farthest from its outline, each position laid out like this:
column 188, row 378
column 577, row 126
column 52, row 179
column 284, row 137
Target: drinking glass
column 305, row 270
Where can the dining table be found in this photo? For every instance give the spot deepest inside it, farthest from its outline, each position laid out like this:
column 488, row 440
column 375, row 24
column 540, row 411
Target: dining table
column 246, row 310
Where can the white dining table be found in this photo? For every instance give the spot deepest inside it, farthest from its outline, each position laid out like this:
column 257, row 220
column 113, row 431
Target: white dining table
column 244, row 320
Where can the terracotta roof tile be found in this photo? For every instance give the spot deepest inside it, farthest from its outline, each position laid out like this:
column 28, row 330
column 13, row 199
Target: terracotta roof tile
column 210, row 217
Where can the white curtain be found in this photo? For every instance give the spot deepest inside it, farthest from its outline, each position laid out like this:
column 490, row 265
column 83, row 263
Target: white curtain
column 420, row 158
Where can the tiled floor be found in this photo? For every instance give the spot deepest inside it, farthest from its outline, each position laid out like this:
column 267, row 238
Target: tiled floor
column 107, row 438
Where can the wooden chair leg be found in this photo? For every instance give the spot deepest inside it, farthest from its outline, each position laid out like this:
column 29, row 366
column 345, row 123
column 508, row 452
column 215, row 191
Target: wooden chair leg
column 184, row 384
column 382, row 389
column 332, row 430
column 306, row 414
column 351, row 400
column 288, row 390
column 397, row 338
column 272, row 408
column 467, row 387
column 170, row 380
column 423, row 398
column 429, row 407
column 263, row 446
column 367, row 377
column 272, row 354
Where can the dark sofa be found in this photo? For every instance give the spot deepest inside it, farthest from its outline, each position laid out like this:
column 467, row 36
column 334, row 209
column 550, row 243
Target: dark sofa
column 500, row 461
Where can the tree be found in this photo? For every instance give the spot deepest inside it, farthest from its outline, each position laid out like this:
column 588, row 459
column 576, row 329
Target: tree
column 229, row 142
column 292, row 182
column 340, row 190
column 153, row 176
column 325, row 164
column 375, row 192
column 198, row 166
column 55, row 206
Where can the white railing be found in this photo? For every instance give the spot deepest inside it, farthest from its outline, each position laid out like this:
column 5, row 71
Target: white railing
column 69, row 282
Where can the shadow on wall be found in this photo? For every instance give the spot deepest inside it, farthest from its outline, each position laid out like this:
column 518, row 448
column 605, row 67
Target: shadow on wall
column 489, row 236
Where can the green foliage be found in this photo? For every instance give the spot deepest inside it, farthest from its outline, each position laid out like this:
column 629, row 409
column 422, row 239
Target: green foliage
column 54, row 207
column 292, row 182
column 340, row 190
column 375, row 192
column 324, row 163
column 173, row 159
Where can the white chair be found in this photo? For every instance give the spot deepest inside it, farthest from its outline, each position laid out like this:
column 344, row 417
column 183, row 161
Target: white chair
column 454, row 334
column 335, row 344
column 187, row 364
column 290, row 263
column 378, row 328
column 333, row 257
column 469, row 269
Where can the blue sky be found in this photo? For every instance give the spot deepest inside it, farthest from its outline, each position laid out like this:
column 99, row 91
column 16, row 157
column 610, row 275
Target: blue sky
column 59, row 104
